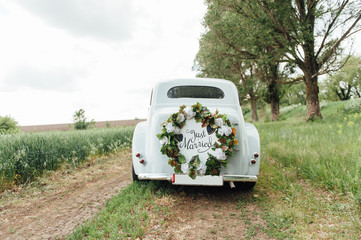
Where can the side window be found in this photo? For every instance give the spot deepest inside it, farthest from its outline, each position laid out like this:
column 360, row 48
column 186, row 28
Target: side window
column 195, row 92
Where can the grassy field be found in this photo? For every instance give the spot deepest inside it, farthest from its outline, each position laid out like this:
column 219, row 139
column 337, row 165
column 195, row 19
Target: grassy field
column 326, row 151
column 26, row 156
column 309, row 188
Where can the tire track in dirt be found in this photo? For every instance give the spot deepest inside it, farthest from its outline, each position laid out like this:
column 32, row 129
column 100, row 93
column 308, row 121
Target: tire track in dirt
column 65, row 201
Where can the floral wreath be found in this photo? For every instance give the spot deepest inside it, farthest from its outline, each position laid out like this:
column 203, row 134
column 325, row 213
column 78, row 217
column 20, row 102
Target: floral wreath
column 223, row 147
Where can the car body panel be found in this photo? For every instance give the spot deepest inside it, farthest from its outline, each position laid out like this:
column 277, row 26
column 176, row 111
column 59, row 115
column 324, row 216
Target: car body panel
column 151, row 164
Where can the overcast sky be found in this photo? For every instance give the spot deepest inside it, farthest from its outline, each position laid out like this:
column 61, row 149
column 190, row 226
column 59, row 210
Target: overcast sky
column 100, row 55
column 103, row 56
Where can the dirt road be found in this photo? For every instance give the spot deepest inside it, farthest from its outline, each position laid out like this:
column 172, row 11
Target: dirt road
column 55, row 205
column 63, row 200
column 213, row 213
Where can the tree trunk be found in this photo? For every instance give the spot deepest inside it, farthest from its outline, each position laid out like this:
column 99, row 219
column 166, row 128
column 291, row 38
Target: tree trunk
column 254, row 108
column 274, row 94
column 275, row 109
column 312, row 101
column 344, row 94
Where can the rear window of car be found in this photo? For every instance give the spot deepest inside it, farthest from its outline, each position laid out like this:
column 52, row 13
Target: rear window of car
column 195, row 92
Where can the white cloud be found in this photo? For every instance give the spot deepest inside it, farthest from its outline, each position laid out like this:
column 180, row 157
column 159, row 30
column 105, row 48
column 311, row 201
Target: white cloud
column 106, row 19
column 56, row 79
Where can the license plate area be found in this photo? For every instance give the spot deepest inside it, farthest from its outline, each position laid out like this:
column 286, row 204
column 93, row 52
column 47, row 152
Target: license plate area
column 207, row 180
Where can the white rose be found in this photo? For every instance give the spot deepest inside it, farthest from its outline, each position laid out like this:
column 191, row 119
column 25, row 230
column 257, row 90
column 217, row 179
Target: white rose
column 228, row 131
column 181, row 118
column 225, row 130
column 169, row 128
column 202, row 169
column 219, row 154
column 189, row 113
column 219, row 122
column 185, row 168
column 177, row 130
column 164, row 140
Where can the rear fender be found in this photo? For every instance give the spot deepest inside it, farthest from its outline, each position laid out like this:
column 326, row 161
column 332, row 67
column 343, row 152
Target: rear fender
column 254, row 147
column 138, row 145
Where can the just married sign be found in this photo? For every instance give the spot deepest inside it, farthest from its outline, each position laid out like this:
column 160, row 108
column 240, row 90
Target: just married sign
column 197, row 141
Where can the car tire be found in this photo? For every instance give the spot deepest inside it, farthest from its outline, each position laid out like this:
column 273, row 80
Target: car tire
column 134, row 176
column 245, row 186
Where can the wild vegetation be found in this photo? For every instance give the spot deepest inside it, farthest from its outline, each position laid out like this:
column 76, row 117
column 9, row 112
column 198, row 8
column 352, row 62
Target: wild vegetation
column 325, row 151
column 345, row 83
column 80, row 120
column 26, row 156
column 8, row 125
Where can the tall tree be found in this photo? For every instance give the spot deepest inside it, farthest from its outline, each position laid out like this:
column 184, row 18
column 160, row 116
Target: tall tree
column 346, row 82
column 308, row 33
column 250, row 64
column 215, row 59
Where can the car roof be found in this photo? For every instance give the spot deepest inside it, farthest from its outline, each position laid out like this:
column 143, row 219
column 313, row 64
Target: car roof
column 162, row 87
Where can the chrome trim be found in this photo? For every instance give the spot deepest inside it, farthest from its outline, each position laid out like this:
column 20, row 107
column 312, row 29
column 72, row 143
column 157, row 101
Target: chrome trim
column 226, row 178
column 239, row 178
column 155, row 176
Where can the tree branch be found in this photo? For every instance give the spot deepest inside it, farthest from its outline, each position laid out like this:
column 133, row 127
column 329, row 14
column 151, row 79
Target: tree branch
column 326, row 57
column 328, row 31
column 293, row 80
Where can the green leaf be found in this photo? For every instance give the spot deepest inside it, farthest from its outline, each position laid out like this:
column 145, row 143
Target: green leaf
column 192, row 174
column 182, row 159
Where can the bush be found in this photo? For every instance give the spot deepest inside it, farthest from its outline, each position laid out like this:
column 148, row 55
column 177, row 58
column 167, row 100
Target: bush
column 8, row 125
column 80, row 122
column 353, row 106
column 289, row 108
column 246, row 110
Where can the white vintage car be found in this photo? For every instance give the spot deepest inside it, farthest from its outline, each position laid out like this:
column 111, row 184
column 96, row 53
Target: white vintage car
column 195, row 134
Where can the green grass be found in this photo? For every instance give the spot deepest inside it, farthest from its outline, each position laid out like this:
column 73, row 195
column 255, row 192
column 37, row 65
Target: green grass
column 26, row 156
column 327, row 151
column 297, row 208
column 312, row 170
column 128, row 215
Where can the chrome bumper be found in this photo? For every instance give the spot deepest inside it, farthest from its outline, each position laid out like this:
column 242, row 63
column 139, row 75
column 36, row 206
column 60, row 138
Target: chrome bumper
column 199, row 180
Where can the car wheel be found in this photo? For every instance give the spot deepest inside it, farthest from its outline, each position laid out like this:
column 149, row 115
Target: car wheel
column 134, row 176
